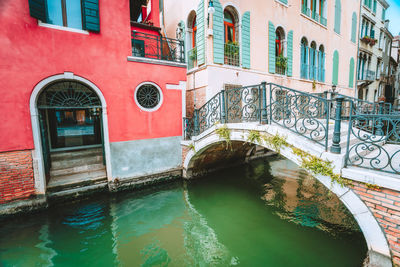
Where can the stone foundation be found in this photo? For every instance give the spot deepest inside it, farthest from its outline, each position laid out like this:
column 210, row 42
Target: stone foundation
column 385, row 205
column 16, row 176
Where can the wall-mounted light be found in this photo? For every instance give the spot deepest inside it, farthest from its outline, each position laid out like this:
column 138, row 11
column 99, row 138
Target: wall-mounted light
column 211, row 11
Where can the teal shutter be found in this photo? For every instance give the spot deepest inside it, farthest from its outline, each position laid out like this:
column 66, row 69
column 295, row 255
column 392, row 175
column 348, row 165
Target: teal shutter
column 323, row 67
column 271, row 47
column 351, row 77
column 374, row 8
column 354, row 27
column 319, row 75
column 290, row 54
column 383, row 14
column 335, row 72
column 218, row 32
column 200, row 39
column 37, row 9
column 246, row 40
column 338, row 10
column 302, row 66
column 307, row 69
column 90, row 14
column 284, row 1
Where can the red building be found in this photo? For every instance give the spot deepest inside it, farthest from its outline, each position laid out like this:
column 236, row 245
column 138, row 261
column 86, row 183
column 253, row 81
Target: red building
column 91, row 96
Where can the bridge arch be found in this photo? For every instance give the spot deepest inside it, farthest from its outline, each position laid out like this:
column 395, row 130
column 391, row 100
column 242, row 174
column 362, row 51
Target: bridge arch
column 376, row 241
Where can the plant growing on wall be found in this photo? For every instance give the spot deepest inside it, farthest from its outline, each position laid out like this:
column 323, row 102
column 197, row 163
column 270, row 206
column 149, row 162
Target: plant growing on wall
column 232, row 49
column 254, row 137
column 224, row 133
column 275, row 141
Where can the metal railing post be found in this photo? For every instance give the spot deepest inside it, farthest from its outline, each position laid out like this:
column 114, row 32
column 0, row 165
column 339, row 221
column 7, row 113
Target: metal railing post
column 379, row 123
column 335, row 148
column 223, row 108
column 264, row 114
column 196, row 122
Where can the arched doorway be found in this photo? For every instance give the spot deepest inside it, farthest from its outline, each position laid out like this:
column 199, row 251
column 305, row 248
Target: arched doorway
column 69, row 122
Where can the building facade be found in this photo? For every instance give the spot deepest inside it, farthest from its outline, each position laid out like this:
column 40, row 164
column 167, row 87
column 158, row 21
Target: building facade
column 374, row 52
column 395, row 71
column 306, row 45
column 91, row 95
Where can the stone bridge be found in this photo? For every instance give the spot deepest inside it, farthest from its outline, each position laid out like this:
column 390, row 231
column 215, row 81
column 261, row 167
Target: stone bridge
column 359, row 165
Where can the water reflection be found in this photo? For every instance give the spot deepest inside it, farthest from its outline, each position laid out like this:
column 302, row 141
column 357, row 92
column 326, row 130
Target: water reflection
column 268, row 213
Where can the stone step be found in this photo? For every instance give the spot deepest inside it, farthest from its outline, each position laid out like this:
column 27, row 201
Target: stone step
column 56, row 156
column 75, row 162
column 77, row 192
column 76, row 170
column 67, row 182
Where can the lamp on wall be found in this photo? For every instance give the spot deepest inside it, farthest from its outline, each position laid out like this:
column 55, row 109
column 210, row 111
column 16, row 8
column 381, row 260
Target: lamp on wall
column 211, row 11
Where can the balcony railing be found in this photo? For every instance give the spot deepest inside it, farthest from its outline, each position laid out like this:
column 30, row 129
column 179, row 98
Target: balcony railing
column 232, row 54
column 305, row 10
column 323, row 21
column 192, row 58
column 157, row 47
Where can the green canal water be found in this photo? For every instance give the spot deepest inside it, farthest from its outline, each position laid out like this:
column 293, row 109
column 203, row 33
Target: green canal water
column 267, row 213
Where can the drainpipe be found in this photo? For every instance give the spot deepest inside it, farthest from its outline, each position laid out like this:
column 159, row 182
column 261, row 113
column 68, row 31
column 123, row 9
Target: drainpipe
column 358, row 51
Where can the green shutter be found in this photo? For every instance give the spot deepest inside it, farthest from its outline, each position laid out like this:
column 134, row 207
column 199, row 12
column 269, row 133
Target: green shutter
column 218, row 32
column 90, row 14
column 37, row 9
column 284, row 1
column 246, row 40
column 351, row 77
column 383, row 14
column 354, row 27
column 374, row 8
column 200, row 34
column 335, row 72
column 338, row 10
column 290, row 54
column 271, row 47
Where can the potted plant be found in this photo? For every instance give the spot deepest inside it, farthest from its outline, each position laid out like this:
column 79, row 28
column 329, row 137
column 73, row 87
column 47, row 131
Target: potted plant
column 231, row 53
column 281, row 62
column 193, row 55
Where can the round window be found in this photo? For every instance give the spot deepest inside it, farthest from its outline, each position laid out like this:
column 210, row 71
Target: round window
column 148, row 97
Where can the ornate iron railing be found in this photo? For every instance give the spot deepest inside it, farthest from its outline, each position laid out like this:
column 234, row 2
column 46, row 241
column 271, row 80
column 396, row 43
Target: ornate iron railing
column 232, row 54
column 157, row 47
column 377, row 144
column 300, row 112
column 243, row 104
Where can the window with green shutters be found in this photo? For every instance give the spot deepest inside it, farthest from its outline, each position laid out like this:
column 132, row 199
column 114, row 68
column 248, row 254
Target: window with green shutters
column 338, row 11
column 374, row 7
column 218, row 31
column 290, row 53
column 335, row 68
column 271, row 47
column 354, row 27
column 351, row 73
column 77, row 14
column 200, row 34
column 246, row 40
column 383, row 14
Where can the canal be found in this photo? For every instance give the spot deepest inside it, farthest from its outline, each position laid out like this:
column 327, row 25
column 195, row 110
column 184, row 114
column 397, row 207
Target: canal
column 266, row 213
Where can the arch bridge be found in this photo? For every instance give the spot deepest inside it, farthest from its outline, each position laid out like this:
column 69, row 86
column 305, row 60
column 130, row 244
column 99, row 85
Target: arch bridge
column 356, row 142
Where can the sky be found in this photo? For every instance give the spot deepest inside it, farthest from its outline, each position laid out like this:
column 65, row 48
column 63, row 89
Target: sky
column 393, row 14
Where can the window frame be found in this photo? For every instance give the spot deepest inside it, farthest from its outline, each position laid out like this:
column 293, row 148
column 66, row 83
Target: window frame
column 229, row 24
column 64, row 15
column 160, row 92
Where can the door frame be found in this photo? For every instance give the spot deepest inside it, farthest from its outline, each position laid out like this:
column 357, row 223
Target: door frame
column 38, row 164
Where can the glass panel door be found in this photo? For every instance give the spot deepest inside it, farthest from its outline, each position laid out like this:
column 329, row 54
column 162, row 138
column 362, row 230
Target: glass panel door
column 74, row 127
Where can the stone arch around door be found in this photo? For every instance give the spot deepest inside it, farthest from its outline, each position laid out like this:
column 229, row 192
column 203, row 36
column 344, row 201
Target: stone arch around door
column 38, row 163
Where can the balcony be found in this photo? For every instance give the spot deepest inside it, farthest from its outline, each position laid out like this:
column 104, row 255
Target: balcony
column 232, row 54
column 157, row 47
column 368, row 40
column 280, row 65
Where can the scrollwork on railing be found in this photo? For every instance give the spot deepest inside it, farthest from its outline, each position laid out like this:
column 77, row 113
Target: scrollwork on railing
column 300, row 112
column 209, row 114
column 374, row 142
column 243, row 104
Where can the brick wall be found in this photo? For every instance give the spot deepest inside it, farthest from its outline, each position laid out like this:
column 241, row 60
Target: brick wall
column 16, row 175
column 385, row 205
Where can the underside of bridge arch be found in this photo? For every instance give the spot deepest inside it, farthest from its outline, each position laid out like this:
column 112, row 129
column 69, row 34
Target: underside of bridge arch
column 221, row 155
